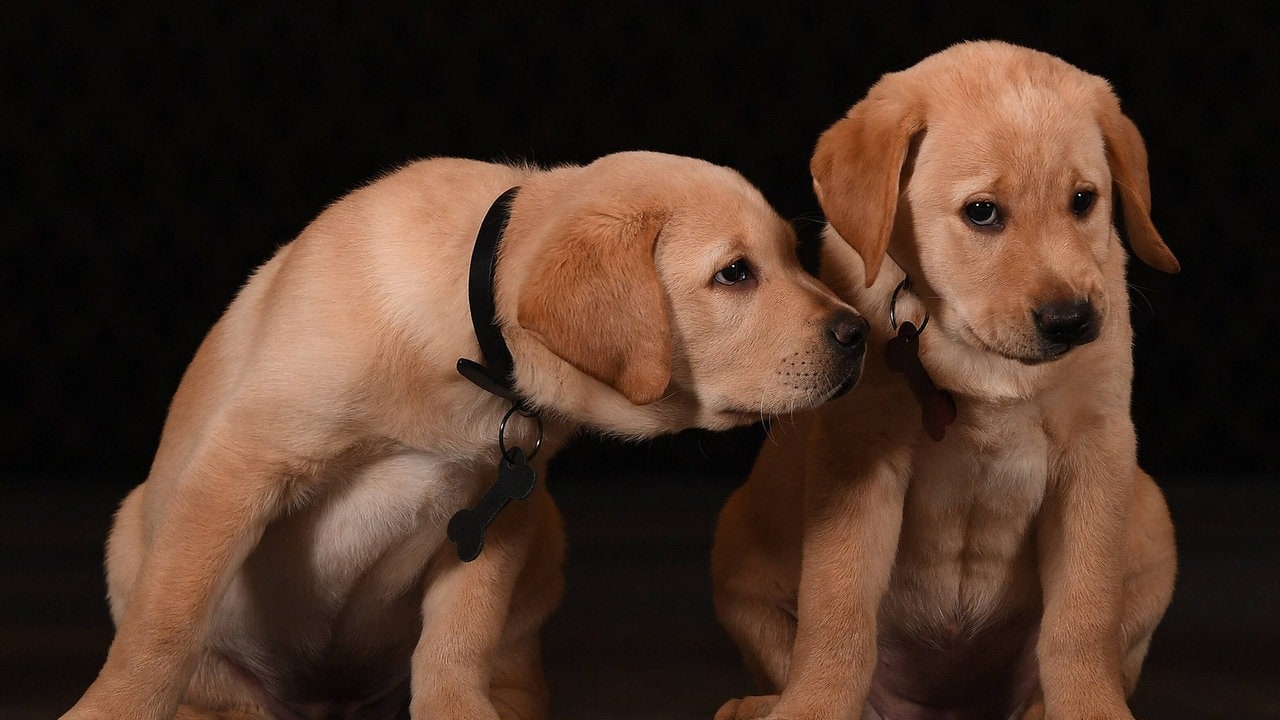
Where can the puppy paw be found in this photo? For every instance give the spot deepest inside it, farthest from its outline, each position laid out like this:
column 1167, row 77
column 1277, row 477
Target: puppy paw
column 88, row 713
column 88, row 709
column 747, row 708
column 455, row 704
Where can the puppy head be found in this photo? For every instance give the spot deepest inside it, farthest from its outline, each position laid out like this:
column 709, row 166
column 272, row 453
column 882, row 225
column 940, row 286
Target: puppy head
column 988, row 172
column 672, row 278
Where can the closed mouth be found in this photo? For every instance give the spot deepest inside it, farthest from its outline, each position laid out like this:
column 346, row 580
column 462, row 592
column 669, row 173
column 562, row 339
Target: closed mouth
column 847, row 385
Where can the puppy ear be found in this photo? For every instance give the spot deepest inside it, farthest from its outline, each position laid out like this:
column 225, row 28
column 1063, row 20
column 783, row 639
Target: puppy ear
column 1127, row 156
column 857, row 171
column 594, row 300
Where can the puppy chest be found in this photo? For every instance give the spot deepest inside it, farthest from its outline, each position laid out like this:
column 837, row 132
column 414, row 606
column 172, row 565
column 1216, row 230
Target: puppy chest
column 995, row 457
column 966, row 535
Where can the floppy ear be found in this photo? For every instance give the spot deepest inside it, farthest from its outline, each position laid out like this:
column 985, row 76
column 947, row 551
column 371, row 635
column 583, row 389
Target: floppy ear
column 1127, row 156
column 857, row 170
column 594, row 300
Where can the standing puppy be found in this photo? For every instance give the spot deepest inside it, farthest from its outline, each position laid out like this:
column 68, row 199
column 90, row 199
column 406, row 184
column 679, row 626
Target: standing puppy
column 967, row 534
column 289, row 555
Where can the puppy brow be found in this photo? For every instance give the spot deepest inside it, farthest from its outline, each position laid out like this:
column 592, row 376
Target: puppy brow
column 732, row 249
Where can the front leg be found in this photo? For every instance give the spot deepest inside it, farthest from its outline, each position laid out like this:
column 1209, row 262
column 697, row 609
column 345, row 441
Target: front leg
column 216, row 514
column 1081, row 536
column 479, row 655
column 850, row 541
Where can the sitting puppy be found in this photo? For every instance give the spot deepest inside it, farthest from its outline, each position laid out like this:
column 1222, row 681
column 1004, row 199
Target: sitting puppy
column 288, row 556
column 967, row 534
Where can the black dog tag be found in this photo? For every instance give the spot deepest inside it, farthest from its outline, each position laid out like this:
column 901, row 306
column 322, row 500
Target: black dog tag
column 516, row 478
column 937, row 407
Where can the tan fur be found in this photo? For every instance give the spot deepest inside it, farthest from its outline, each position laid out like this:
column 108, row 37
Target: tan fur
column 287, row 552
column 1019, row 566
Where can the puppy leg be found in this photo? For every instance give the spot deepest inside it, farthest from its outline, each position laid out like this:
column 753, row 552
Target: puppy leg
column 761, row 705
column 214, row 517
column 217, row 692
column 461, row 666
column 853, row 515
column 1148, row 583
column 186, row 712
column 214, row 685
column 126, row 547
column 752, row 706
column 519, row 688
column 1081, row 538
column 851, row 536
column 1034, row 709
column 1148, row 586
column 749, row 595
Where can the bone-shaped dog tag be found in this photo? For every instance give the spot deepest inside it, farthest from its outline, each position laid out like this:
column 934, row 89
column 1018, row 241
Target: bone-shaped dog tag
column 937, row 407
column 516, row 478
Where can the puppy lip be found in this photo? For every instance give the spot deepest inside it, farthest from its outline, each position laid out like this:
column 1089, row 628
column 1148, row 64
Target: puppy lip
column 1049, row 352
column 1035, row 357
column 854, row 362
column 1045, row 352
column 844, row 387
column 1046, row 356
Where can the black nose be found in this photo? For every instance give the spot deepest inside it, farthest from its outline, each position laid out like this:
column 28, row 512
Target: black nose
column 847, row 331
column 1065, row 323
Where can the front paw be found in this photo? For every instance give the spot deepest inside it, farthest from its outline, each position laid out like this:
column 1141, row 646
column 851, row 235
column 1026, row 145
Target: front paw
column 83, row 711
column 747, row 708
column 454, row 703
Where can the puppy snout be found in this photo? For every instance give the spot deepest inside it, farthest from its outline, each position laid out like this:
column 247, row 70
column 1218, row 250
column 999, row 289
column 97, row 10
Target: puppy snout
column 1063, row 324
column 847, row 332
column 847, row 337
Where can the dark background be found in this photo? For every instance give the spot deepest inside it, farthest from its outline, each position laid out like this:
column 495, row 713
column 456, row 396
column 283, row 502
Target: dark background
column 151, row 157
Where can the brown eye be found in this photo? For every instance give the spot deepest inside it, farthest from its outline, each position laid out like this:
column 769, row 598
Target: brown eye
column 1082, row 201
column 983, row 213
column 734, row 273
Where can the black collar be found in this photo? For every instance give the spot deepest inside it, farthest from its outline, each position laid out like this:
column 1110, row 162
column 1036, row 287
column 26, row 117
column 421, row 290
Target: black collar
column 497, row 375
column 516, row 477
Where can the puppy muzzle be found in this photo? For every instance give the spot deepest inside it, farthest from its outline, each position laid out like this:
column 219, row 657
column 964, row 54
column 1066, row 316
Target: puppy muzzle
column 847, row 336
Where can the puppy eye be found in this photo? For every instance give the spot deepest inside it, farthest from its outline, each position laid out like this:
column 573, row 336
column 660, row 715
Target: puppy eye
column 983, row 213
column 734, row 273
column 1082, row 201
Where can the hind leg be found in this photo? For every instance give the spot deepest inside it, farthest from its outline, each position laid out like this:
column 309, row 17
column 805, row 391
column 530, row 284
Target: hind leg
column 216, row 691
column 1148, row 586
column 219, row 692
column 753, row 606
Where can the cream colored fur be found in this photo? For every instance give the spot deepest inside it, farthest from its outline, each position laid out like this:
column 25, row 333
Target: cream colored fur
column 287, row 557
column 1020, row 565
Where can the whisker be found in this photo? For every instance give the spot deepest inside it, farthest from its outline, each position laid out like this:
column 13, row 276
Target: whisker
column 809, row 218
column 767, row 424
column 1137, row 291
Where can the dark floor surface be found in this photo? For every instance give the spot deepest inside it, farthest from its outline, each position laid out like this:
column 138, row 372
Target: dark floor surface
column 635, row 637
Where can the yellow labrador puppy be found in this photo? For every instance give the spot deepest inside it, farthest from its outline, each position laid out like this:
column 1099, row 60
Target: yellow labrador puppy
column 289, row 554
column 967, row 534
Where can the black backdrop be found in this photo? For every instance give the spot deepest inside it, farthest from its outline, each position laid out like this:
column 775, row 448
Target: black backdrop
column 152, row 156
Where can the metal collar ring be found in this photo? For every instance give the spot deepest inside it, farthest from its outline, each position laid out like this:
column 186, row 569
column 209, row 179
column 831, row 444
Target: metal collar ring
column 893, row 306
column 502, row 432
